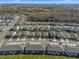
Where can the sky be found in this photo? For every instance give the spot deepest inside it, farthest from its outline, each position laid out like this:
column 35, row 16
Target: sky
column 40, row 1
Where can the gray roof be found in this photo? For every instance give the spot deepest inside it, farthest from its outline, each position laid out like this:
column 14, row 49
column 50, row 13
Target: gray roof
column 1, row 28
column 10, row 46
column 25, row 33
column 71, row 48
column 59, row 34
column 72, row 35
column 11, row 33
column 45, row 34
column 54, row 47
column 15, row 28
column 35, row 46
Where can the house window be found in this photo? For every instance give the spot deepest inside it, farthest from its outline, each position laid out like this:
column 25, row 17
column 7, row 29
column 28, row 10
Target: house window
column 49, row 52
column 33, row 51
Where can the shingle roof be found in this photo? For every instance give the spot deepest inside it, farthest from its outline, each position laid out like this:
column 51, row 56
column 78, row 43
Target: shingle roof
column 71, row 48
column 54, row 47
column 10, row 46
column 35, row 46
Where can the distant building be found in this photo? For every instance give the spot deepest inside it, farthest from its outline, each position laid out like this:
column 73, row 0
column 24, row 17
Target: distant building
column 35, row 47
column 54, row 49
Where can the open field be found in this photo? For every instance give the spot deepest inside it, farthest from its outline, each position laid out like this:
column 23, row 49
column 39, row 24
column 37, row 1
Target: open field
column 34, row 57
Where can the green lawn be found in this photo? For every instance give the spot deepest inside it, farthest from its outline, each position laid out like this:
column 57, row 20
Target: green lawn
column 64, row 32
column 34, row 57
column 78, row 33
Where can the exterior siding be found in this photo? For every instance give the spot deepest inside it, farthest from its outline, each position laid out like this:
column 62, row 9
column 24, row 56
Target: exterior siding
column 72, row 54
column 55, row 52
column 11, row 52
column 35, row 51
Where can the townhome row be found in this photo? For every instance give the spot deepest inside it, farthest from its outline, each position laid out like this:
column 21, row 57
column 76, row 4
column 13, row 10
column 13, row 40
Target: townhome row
column 33, row 47
column 52, row 23
column 17, row 32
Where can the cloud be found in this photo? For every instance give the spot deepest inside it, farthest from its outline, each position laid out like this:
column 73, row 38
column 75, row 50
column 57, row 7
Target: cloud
column 16, row 0
column 68, row 0
column 71, row 1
